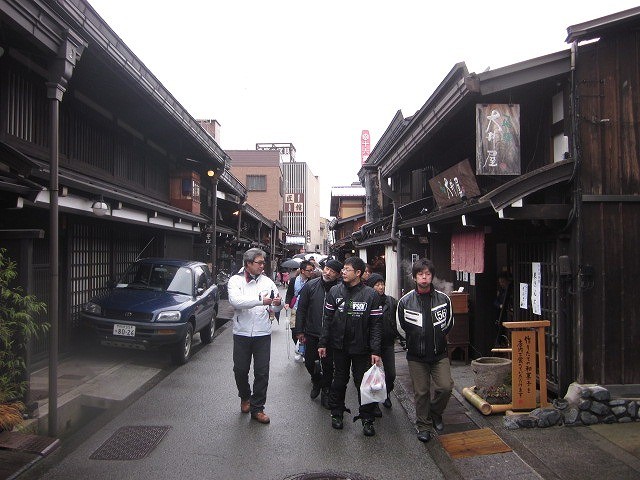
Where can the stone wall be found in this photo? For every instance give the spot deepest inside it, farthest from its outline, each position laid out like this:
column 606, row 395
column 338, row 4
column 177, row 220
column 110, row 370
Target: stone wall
column 582, row 405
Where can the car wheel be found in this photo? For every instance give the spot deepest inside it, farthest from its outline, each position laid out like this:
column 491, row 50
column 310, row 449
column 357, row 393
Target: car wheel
column 182, row 350
column 206, row 334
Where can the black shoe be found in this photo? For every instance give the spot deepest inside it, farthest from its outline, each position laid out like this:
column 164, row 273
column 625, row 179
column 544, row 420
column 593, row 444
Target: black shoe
column 367, row 428
column 387, row 403
column 315, row 391
column 424, row 436
column 324, row 398
column 438, row 424
column 336, row 422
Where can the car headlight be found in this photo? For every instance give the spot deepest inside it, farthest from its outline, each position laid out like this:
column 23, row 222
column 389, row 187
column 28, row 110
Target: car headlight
column 94, row 308
column 169, row 316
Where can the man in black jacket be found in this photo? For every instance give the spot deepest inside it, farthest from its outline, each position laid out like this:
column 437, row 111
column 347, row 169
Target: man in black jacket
column 309, row 320
column 353, row 330
column 426, row 316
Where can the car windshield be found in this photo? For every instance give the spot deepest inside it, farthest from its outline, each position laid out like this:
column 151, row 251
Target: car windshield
column 159, row 277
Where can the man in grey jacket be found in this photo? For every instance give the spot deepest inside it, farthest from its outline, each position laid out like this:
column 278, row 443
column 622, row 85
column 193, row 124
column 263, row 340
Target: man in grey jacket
column 252, row 295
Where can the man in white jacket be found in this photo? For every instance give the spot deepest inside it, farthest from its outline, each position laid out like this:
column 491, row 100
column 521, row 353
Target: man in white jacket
column 252, row 294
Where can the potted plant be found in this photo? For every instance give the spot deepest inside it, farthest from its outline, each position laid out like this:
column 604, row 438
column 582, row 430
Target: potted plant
column 18, row 324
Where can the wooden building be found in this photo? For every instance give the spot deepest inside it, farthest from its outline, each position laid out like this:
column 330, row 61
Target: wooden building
column 100, row 165
column 531, row 169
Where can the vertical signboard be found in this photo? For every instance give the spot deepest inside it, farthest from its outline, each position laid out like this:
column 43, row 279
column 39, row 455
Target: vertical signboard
column 497, row 139
column 365, row 146
column 523, row 369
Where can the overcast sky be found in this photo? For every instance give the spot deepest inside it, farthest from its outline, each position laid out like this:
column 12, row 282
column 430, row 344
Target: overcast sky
column 316, row 74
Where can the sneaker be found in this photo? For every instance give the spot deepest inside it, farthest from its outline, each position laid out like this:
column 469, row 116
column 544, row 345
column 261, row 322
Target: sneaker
column 367, row 428
column 387, row 402
column 424, row 436
column 336, row 422
column 315, row 391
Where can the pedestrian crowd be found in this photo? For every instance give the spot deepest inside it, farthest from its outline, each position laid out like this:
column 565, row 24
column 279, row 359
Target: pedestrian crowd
column 348, row 325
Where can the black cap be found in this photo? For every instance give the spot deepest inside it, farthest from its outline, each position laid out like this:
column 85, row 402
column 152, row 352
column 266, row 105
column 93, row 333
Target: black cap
column 334, row 264
column 374, row 278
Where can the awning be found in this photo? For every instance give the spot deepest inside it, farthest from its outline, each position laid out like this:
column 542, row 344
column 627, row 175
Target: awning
column 528, row 183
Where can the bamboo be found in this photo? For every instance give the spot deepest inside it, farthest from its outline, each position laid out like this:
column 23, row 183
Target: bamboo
column 481, row 404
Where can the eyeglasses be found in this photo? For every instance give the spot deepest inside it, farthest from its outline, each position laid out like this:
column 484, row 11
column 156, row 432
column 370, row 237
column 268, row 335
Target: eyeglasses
column 348, row 270
column 308, row 270
column 259, row 263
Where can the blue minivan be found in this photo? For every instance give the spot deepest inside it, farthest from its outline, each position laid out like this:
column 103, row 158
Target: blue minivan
column 156, row 303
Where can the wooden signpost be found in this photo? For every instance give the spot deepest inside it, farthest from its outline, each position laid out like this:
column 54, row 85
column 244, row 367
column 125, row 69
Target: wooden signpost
column 527, row 339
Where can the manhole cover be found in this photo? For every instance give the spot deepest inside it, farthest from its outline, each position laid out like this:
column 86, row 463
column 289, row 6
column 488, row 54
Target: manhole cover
column 328, row 476
column 130, row 443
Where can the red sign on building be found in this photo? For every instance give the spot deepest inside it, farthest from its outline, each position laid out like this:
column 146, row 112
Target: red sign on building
column 365, row 145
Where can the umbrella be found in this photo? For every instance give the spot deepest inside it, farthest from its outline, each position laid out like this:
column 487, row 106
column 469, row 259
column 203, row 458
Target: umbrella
column 318, row 257
column 291, row 263
column 301, row 256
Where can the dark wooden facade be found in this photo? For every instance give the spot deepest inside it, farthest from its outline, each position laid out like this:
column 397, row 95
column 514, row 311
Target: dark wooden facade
column 608, row 107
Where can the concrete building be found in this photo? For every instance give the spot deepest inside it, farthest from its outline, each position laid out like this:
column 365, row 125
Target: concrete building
column 301, row 215
column 261, row 172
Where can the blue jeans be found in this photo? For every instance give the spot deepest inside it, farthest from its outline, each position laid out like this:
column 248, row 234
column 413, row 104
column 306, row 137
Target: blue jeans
column 244, row 348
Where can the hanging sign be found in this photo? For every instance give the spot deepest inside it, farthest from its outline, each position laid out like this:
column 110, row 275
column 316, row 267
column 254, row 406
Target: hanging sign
column 454, row 185
column 497, row 139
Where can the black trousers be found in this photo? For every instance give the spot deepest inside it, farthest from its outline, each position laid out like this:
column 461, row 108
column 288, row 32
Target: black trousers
column 389, row 364
column 310, row 357
column 343, row 361
column 244, row 349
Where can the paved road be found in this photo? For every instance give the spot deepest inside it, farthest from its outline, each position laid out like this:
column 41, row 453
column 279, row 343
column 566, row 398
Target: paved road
column 209, row 437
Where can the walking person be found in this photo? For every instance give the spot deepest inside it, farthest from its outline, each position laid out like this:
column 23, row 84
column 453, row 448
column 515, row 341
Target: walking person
column 252, row 295
column 426, row 316
column 309, row 320
column 389, row 333
column 352, row 330
column 305, row 273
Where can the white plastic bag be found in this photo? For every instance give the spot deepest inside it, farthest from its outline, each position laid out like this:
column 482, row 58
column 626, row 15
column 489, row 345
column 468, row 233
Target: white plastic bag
column 373, row 387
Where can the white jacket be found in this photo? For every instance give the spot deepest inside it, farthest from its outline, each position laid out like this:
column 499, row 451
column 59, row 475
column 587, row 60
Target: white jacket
column 250, row 316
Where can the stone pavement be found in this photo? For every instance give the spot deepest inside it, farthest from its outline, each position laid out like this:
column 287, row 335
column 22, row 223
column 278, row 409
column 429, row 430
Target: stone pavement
column 107, row 380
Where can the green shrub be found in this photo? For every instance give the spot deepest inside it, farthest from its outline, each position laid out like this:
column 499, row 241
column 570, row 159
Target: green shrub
column 18, row 324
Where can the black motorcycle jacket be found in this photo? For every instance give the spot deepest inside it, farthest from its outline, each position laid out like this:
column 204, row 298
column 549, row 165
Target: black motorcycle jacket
column 352, row 320
column 426, row 319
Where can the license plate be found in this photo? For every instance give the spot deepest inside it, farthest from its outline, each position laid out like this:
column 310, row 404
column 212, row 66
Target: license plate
column 124, row 330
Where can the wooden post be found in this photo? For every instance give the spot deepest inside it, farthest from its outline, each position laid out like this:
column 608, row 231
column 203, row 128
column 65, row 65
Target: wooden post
column 522, row 335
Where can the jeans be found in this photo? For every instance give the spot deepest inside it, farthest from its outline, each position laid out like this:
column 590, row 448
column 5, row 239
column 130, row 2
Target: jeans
column 244, row 348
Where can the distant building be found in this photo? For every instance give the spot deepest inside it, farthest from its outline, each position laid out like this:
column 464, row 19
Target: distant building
column 301, row 215
column 348, row 208
column 261, row 173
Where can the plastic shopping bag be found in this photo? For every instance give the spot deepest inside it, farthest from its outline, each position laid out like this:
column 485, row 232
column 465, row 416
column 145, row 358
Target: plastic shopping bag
column 373, row 387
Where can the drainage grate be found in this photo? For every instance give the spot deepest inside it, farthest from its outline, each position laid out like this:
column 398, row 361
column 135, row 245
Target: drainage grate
column 328, row 476
column 130, row 443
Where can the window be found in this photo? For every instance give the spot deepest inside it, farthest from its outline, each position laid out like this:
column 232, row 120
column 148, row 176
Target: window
column 257, row 183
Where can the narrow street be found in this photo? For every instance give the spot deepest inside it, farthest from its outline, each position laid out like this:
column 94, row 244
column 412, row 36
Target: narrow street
column 208, row 436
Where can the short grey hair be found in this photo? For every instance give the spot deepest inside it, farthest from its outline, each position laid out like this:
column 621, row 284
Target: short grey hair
column 251, row 254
